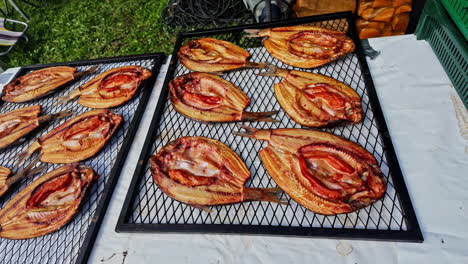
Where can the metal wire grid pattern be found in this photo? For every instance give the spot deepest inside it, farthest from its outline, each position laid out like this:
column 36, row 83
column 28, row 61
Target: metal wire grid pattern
column 152, row 206
column 64, row 245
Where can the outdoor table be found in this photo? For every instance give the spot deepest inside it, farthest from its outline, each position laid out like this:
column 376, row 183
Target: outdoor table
column 417, row 99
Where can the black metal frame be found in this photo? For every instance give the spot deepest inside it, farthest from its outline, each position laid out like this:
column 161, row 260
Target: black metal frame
column 102, row 204
column 413, row 233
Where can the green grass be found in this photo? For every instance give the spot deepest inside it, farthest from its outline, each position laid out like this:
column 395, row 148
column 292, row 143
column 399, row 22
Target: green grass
column 86, row 29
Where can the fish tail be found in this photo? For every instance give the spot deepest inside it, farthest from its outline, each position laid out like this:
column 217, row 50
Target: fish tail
column 259, row 65
column 264, row 194
column 24, row 155
column 218, row 73
column 62, row 114
column 273, row 71
column 58, row 115
column 28, row 171
column 249, row 131
column 259, row 116
column 86, row 72
column 63, row 99
column 252, row 33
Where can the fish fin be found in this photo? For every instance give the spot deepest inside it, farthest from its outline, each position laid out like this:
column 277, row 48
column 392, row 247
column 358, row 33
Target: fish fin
column 252, row 33
column 259, row 116
column 86, row 72
column 201, row 207
column 250, row 131
column 264, row 194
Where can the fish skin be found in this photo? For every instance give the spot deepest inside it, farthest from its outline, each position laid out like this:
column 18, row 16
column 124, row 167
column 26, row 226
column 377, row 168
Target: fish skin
column 224, row 55
column 52, row 149
column 29, row 121
column 281, row 158
column 20, row 220
column 55, row 77
column 293, row 98
column 279, row 42
column 90, row 93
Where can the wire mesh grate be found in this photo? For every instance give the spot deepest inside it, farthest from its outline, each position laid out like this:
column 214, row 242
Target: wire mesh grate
column 147, row 204
column 67, row 245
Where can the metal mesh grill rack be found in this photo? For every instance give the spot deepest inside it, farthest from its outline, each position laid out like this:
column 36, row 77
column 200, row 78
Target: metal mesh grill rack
column 73, row 242
column 148, row 209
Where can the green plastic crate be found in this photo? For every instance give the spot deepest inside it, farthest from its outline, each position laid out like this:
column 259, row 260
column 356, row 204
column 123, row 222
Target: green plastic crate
column 448, row 44
column 458, row 10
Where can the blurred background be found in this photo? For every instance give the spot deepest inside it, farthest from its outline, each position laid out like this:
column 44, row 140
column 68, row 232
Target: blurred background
column 65, row 30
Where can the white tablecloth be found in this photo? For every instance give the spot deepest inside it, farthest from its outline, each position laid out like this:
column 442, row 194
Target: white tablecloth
column 415, row 94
